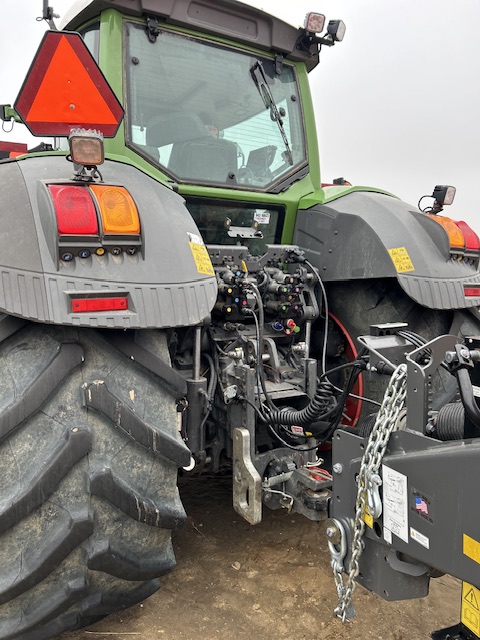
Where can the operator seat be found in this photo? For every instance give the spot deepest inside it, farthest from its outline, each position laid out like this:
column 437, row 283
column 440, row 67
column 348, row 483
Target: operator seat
column 195, row 155
column 206, row 158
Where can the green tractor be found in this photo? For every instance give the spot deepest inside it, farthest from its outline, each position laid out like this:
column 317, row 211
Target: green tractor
column 180, row 291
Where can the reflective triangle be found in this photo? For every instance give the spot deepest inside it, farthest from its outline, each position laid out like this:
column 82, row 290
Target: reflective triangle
column 65, row 89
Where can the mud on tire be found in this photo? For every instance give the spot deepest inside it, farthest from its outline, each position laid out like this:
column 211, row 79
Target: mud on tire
column 89, row 495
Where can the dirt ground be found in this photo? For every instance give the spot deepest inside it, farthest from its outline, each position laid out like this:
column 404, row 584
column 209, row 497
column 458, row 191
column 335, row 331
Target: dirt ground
column 269, row 582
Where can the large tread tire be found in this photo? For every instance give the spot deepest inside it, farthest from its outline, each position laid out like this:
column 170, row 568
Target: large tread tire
column 361, row 303
column 86, row 512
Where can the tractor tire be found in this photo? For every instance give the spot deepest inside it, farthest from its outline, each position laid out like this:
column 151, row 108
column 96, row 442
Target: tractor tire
column 359, row 304
column 89, row 452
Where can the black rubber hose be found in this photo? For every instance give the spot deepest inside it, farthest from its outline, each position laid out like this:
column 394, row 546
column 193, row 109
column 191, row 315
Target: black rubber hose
column 320, row 406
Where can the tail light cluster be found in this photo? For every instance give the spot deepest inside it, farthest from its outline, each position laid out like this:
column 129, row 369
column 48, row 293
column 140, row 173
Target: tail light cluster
column 95, row 218
column 464, row 242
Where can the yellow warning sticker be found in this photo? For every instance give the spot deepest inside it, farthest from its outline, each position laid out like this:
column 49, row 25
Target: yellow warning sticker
column 471, row 548
column 470, row 615
column 401, row 260
column 200, row 255
column 368, row 518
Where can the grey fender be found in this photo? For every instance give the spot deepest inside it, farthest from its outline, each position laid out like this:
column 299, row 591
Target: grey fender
column 373, row 235
column 166, row 286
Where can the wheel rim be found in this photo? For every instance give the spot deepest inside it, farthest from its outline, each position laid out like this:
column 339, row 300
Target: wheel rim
column 353, row 406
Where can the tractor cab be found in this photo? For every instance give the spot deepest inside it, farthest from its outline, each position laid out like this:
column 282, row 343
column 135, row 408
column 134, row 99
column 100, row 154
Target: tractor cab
column 217, row 105
column 211, row 115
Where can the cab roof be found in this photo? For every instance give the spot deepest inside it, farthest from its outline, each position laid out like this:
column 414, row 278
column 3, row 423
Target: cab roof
column 227, row 18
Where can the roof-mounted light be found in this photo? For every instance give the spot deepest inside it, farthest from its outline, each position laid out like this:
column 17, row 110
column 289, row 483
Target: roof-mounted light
column 313, row 26
column 336, row 29
column 314, row 22
column 86, row 147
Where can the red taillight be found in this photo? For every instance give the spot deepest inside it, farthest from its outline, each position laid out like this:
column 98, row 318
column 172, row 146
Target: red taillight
column 82, row 305
column 472, row 242
column 74, row 210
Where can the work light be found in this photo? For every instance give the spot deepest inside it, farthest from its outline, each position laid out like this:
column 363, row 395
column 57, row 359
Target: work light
column 314, row 22
column 86, row 147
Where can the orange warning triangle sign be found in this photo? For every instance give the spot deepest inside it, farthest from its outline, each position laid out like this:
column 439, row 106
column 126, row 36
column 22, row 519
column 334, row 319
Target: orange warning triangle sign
column 65, row 89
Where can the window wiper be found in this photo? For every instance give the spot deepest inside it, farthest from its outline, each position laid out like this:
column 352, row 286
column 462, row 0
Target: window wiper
column 258, row 75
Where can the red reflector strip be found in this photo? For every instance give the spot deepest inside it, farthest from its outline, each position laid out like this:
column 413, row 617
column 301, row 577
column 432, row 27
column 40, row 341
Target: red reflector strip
column 82, row 305
column 74, row 210
column 471, row 292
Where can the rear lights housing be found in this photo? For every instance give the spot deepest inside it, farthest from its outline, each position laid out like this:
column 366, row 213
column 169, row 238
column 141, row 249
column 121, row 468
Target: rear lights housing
column 464, row 242
column 94, row 218
column 454, row 233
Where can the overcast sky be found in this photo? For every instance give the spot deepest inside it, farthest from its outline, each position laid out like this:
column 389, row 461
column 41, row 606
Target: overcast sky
column 397, row 102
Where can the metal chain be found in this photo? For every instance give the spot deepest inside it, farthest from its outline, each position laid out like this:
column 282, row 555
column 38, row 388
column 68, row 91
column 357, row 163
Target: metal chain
column 385, row 423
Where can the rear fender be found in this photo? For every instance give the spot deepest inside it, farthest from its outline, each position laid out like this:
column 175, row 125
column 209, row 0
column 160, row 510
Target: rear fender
column 168, row 282
column 373, row 235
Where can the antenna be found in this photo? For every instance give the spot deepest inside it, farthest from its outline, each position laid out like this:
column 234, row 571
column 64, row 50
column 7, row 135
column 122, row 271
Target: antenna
column 48, row 16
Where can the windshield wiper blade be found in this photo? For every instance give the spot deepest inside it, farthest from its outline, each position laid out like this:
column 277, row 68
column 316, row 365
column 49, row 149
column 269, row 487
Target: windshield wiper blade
column 258, row 75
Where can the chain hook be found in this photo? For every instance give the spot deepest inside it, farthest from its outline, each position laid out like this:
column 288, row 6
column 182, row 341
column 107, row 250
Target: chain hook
column 368, row 484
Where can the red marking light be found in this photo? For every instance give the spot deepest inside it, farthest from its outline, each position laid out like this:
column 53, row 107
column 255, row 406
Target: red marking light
column 12, row 149
column 471, row 292
column 83, row 305
column 74, row 209
column 65, row 89
column 472, row 242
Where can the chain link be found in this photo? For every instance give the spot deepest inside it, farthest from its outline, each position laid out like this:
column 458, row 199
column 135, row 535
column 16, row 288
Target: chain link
column 385, row 423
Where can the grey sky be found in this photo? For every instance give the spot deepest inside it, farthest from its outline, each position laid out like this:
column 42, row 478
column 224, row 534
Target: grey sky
column 397, row 102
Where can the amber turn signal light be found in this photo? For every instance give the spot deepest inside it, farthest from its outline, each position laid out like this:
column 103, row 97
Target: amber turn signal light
column 454, row 233
column 117, row 208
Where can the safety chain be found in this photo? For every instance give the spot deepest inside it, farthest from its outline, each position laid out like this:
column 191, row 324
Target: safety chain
column 385, row 423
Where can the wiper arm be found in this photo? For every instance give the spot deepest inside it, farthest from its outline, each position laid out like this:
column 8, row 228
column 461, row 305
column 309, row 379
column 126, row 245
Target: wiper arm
column 258, row 75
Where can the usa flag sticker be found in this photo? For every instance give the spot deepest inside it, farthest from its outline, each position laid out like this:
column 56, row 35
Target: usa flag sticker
column 422, row 505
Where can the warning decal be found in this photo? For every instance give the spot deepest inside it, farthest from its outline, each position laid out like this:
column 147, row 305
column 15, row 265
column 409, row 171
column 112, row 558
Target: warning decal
column 395, row 503
column 200, row 255
column 471, row 598
column 471, row 548
column 368, row 518
column 401, row 260
column 470, row 615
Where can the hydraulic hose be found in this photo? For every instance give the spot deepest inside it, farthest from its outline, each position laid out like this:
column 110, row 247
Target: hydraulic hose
column 319, row 407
